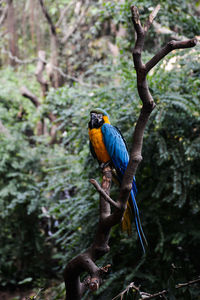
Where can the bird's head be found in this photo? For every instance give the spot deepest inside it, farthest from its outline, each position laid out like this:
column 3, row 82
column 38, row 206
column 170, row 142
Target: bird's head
column 98, row 117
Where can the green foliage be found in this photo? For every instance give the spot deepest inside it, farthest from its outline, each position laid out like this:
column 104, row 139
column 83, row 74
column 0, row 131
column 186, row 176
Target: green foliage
column 12, row 102
column 34, row 176
column 168, row 180
column 48, row 209
column 22, row 239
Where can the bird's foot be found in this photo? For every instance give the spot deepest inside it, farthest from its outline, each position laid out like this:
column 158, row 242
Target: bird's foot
column 104, row 165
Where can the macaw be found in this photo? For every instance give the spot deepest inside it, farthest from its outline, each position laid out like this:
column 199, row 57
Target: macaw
column 108, row 145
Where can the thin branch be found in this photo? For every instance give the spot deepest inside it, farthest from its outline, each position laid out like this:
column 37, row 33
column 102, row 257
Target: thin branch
column 78, row 21
column 63, row 12
column 151, row 18
column 148, row 296
column 130, row 286
column 103, row 193
column 28, row 94
column 39, row 72
column 162, row 293
column 64, row 75
column 180, row 285
column 48, row 18
column 30, row 61
column 86, row 261
column 17, row 59
column 172, row 45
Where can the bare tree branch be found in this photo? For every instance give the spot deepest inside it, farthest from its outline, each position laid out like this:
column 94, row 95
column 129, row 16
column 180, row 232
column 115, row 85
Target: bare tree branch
column 145, row 95
column 151, row 18
column 172, row 45
column 30, row 61
column 62, row 15
column 28, row 94
column 148, row 296
column 39, row 72
column 180, row 285
column 86, row 261
column 101, row 191
column 55, row 78
column 48, row 18
column 74, row 26
column 17, row 59
column 130, row 286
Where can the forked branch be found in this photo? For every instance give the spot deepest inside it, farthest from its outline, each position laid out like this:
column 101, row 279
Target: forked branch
column 143, row 90
column 107, row 219
column 103, row 193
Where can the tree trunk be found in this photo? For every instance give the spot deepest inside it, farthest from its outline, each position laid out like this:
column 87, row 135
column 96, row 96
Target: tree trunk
column 53, row 66
column 12, row 32
column 32, row 20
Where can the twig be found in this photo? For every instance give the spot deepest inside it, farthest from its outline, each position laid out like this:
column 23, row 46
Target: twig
column 151, row 18
column 164, row 292
column 167, row 49
column 48, row 18
column 101, row 191
column 180, row 285
column 17, row 59
column 71, row 77
column 30, row 61
column 63, row 12
column 148, row 296
column 28, row 94
column 130, row 286
column 78, row 21
column 39, row 72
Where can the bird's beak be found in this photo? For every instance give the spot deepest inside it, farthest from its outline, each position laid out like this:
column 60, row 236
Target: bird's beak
column 96, row 120
column 93, row 120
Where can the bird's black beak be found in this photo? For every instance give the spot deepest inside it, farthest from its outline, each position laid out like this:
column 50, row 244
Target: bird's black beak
column 96, row 120
column 93, row 120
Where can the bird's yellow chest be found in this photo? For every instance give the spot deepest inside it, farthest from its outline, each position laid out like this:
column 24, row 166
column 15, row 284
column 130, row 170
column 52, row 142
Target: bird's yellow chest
column 96, row 138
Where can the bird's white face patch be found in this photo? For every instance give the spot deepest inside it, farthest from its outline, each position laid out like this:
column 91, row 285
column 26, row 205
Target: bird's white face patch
column 98, row 116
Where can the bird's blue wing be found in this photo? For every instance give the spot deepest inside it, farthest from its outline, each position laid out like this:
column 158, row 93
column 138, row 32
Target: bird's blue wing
column 116, row 148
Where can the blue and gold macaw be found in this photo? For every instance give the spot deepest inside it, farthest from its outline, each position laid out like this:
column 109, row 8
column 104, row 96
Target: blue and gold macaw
column 107, row 145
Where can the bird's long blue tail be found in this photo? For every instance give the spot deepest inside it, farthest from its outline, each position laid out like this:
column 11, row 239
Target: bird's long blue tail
column 137, row 218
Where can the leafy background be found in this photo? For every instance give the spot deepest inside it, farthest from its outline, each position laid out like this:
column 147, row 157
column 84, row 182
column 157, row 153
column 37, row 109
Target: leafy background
column 48, row 209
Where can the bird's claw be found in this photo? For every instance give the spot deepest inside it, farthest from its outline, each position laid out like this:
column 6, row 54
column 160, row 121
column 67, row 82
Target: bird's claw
column 104, row 165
